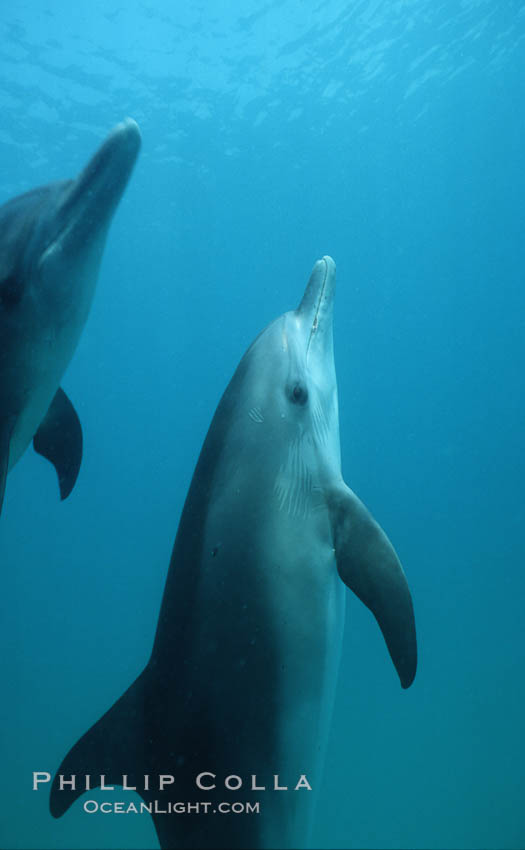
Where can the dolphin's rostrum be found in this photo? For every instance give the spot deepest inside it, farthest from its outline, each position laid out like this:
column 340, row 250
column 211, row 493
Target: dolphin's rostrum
column 51, row 244
column 241, row 679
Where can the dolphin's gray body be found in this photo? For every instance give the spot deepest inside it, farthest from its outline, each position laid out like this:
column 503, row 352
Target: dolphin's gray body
column 51, row 244
column 242, row 675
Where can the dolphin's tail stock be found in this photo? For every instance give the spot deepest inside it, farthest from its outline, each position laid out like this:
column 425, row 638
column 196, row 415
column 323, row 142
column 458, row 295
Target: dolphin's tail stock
column 111, row 749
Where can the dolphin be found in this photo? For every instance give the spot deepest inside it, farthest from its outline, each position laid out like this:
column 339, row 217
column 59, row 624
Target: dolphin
column 51, row 244
column 241, row 679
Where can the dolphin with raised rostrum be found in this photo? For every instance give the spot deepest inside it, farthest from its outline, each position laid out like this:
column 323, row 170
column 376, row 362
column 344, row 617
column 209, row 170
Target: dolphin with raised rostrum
column 241, row 679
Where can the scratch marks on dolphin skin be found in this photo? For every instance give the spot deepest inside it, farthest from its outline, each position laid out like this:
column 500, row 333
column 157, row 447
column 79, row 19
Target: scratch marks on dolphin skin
column 255, row 414
column 320, row 424
column 294, row 483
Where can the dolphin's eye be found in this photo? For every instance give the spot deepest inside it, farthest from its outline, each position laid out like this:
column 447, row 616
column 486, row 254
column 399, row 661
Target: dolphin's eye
column 299, row 394
column 10, row 291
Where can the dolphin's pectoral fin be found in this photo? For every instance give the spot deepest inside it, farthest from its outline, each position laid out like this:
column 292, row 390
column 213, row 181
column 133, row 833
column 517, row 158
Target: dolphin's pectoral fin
column 59, row 439
column 6, row 429
column 111, row 748
column 368, row 565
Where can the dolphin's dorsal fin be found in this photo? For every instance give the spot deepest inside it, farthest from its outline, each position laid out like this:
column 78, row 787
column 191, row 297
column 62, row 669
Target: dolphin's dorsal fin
column 113, row 747
column 368, row 565
column 59, row 439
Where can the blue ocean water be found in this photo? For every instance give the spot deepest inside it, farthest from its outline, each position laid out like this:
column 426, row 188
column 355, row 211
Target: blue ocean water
column 389, row 135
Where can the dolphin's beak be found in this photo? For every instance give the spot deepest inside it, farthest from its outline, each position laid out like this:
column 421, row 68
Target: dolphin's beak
column 91, row 199
column 316, row 307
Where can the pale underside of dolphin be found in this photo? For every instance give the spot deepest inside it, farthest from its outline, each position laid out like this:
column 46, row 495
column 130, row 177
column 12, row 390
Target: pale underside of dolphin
column 242, row 675
column 51, row 244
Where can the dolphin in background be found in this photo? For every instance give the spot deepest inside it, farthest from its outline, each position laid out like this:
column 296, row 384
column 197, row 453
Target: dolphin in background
column 242, row 676
column 51, row 244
